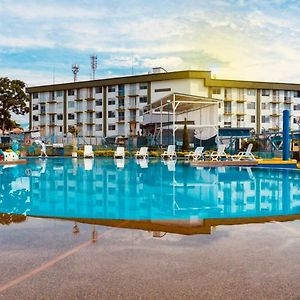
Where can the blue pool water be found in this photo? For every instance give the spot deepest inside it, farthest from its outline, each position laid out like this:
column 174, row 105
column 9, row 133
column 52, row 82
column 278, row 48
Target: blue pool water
column 153, row 190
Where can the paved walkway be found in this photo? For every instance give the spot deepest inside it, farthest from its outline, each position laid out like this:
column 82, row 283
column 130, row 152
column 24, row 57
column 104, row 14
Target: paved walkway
column 43, row 259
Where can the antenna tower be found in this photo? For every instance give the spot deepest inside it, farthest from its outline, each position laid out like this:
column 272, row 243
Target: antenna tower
column 94, row 65
column 75, row 70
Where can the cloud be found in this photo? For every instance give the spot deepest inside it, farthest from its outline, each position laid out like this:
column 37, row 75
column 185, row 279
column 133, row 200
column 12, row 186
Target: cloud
column 243, row 39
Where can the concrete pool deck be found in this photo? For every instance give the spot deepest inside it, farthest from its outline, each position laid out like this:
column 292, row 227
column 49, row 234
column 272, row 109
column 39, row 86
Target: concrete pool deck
column 42, row 259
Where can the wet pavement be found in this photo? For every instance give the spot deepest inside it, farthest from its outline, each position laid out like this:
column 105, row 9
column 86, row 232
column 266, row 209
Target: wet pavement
column 43, row 259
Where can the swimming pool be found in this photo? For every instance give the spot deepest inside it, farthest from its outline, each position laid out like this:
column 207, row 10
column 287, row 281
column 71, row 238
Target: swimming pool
column 146, row 190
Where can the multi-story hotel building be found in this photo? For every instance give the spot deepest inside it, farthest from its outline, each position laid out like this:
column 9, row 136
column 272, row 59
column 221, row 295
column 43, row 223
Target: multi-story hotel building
column 114, row 106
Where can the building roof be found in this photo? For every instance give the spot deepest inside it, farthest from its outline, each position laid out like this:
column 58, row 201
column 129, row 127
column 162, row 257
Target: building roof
column 186, row 74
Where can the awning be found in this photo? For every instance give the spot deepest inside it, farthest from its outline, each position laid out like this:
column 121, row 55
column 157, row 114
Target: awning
column 181, row 103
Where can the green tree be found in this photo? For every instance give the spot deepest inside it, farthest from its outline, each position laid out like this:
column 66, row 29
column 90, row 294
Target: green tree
column 185, row 137
column 13, row 99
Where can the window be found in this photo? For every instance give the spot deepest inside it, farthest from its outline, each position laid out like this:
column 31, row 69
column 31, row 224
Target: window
column 98, row 127
column 99, row 115
column 59, row 93
column 143, row 86
column 265, row 119
column 121, row 114
column 251, row 92
column 35, row 95
column 227, row 124
column 35, row 107
column 111, row 101
column 216, row 91
column 163, row 90
column 71, row 104
column 111, row 89
column 60, row 128
column 295, row 120
column 59, row 105
column 240, row 118
column 265, row 92
column 252, row 119
column 144, row 99
column 99, row 102
column 220, row 105
column 98, row 90
column 297, row 94
column 71, row 92
column 227, row 107
column 35, row 118
column 111, row 114
column 297, row 107
column 42, row 108
column 264, row 105
column 251, row 105
column 111, row 127
column 60, row 117
column 71, row 116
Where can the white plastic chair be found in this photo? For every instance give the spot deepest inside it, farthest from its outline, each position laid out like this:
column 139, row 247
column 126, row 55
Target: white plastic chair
column 170, row 153
column 245, row 154
column 88, row 151
column 142, row 153
column 220, row 153
column 196, row 155
column 119, row 153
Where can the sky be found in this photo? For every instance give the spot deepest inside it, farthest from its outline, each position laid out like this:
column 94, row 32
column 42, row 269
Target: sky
column 236, row 39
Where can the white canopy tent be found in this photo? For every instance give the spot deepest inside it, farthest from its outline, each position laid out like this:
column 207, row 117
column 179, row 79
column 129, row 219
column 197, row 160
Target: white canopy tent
column 178, row 105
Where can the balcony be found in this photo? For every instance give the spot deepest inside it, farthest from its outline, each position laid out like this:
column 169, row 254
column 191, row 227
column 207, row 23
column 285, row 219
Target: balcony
column 228, row 112
column 133, row 106
column 121, row 120
column 288, row 100
column 120, row 93
column 275, row 115
column 79, row 122
column 78, row 99
column 240, row 113
column 90, row 121
column 228, row 99
column 89, row 99
column 241, row 101
column 42, row 112
column 121, row 108
column 133, row 93
column 52, row 123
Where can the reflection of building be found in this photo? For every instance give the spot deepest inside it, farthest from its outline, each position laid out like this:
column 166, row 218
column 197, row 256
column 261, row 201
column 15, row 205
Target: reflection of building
column 114, row 106
column 153, row 193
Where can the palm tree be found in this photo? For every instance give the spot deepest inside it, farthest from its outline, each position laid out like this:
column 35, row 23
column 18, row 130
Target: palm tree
column 74, row 131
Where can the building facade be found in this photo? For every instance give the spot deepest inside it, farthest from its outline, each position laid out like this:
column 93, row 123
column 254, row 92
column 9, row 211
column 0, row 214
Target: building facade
column 114, row 106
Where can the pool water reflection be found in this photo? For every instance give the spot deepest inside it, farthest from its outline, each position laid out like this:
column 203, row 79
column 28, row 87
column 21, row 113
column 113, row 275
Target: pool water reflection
column 146, row 190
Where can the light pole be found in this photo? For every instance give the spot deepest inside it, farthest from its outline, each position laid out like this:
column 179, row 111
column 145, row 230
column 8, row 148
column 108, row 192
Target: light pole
column 168, row 101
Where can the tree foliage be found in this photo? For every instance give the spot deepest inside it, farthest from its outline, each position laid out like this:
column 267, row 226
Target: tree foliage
column 185, row 137
column 13, row 99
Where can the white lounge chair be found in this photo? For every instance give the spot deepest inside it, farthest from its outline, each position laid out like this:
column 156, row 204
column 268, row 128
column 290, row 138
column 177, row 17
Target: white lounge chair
column 119, row 153
column 142, row 153
column 195, row 155
column 170, row 153
column 220, row 154
column 10, row 156
column 245, row 154
column 88, row 151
